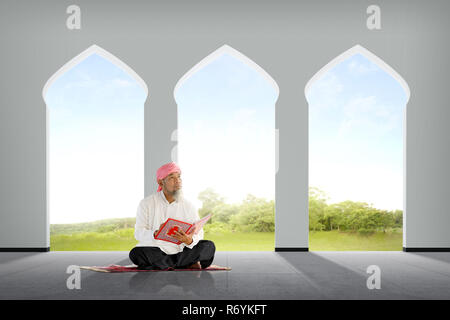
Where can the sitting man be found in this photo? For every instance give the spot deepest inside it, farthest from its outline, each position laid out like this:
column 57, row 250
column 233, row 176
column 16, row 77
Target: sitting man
column 193, row 252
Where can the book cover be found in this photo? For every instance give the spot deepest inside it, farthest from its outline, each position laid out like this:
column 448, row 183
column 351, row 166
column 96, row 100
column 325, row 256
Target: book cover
column 168, row 229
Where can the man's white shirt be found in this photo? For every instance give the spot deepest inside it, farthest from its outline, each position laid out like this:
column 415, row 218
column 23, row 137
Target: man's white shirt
column 155, row 210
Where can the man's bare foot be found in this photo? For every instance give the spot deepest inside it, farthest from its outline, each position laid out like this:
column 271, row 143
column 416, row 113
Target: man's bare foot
column 196, row 265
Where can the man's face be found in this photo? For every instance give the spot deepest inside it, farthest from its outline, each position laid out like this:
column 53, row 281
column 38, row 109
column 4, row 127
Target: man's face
column 172, row 183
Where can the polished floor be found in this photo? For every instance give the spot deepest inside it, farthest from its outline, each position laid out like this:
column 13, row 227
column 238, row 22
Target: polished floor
column 254, row 275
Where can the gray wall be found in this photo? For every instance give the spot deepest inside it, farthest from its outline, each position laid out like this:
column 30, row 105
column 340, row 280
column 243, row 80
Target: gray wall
column 162, row 40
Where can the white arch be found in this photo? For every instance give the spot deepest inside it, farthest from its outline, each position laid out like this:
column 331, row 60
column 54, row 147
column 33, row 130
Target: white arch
column 369, row 55
column 86, row 53
column 384, row 66
column 233, row 52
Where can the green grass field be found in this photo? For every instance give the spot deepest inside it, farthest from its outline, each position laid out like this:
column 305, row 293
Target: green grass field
column 345, row 241
column 123, row 240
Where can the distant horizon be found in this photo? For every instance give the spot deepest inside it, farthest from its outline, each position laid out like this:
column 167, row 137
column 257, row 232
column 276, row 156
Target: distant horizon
column 231, row 203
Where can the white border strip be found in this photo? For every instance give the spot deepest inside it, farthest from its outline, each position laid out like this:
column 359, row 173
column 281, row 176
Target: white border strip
column 354, row 50
column 86, row 53
column 222, row 50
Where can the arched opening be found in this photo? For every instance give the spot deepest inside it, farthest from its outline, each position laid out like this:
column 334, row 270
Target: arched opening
column 95, row 152
column 226, row 147
column 357, row 113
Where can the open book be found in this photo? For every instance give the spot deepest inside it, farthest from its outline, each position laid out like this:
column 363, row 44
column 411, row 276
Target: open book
column 172, row 225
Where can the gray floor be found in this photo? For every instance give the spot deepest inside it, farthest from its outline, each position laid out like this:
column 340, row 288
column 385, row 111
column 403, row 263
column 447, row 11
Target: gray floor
column 254, row 275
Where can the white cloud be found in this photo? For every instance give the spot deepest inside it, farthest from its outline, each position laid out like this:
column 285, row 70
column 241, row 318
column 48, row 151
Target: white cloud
column 234, row 161
column 242, row 116
column 380, row 184
column 87, row 185
column 328, row 85
column 324, row 94
column 96, row 172
column 107, row 88
column 122, row 83
column 359, row 68
column 365, row 113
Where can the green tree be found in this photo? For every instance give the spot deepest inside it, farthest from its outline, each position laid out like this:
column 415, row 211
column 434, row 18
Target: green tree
column 255, row 214
column 210, row 200
column 224, row 211
column 317, row 206
column 398, row 218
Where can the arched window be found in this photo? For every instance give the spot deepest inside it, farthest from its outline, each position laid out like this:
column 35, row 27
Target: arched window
column 95, row 106
column 226, row 128
column 357, row 106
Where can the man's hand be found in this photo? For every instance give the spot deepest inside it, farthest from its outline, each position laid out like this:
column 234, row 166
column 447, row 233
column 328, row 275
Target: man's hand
column 182, row 236
column 192, row 230
column 154, row 233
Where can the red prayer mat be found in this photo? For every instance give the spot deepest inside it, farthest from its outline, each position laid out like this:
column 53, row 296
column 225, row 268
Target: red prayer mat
column 133, row 268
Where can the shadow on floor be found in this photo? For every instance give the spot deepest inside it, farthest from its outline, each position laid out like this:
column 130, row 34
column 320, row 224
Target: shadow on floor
column 11, row 256
column 327, row 277
column 440, row 256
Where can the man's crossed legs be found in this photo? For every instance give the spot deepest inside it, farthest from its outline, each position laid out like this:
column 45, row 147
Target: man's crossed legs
column 152, row 258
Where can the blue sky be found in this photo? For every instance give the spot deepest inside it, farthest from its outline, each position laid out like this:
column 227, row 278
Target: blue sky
column 96, row 143
column 226, row 130
column 226, row 134
column 356, row 134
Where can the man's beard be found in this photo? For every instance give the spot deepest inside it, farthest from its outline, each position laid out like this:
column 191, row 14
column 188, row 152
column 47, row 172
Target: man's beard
column 178, row 194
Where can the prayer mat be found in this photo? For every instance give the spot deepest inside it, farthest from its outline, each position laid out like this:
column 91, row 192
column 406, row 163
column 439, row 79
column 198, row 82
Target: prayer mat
column 133, row 268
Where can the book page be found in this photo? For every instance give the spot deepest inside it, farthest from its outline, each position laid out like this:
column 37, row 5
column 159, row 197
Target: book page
column 200, row 223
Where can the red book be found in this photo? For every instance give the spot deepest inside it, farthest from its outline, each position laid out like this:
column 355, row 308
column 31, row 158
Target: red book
column 172, row 225
column 168, row 229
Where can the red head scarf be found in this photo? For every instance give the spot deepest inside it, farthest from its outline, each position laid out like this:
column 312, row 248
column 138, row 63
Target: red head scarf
column 165, row 170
